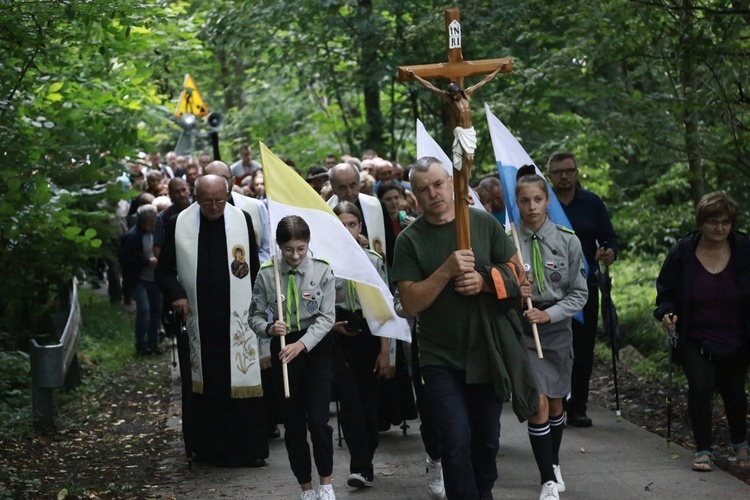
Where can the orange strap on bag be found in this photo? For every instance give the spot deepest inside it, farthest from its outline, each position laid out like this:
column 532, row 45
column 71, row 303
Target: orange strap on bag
column 499, row 279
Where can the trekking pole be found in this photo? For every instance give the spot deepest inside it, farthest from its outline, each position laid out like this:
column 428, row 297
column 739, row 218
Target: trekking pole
column 618, row 413
column 613, row 345
column 175, row 324
column 672, row 336
column 338, row 423
column 173, row 346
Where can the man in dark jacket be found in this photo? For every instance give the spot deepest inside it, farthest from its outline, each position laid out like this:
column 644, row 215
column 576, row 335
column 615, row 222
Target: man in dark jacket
column 590, row 220
column 137, row 261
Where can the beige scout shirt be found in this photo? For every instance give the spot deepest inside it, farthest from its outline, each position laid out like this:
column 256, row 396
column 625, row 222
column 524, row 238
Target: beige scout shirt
column 565, row 290
column 317, row 295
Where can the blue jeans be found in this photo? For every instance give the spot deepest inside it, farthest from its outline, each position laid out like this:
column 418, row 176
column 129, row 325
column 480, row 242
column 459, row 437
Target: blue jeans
column 468, row 417
column 148, row 299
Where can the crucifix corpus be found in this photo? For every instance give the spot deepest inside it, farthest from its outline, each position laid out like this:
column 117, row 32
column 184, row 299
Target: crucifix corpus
column 464, row 143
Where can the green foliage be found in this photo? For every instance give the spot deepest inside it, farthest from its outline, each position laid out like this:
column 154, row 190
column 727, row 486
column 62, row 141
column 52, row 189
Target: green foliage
column 107, row 332
column 634, row 295
column 15, row 392
column 74, row 79
column 648, row 233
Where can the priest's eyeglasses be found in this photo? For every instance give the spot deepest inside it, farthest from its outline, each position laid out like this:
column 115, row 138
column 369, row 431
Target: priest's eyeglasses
column 212, row 203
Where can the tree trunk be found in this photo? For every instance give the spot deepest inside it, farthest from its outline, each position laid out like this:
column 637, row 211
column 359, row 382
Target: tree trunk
column 231, row 76
column 368, row 69
column 689, row 117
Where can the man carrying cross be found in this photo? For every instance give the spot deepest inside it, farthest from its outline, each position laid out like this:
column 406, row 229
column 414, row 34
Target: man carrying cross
column 471, row 352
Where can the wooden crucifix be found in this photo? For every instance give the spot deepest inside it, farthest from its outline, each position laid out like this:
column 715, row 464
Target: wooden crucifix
column 455, row 70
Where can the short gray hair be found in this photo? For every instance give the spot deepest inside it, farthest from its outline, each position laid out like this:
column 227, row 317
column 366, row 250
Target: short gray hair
column 422, row 165
column 146, row 212
column 488, row 182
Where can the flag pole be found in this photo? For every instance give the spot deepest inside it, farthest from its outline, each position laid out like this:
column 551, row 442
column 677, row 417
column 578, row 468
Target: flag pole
column 534, row 328
column 280, row 312
column 279, row 306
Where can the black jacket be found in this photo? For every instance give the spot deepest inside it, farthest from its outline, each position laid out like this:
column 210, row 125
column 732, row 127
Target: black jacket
column 673, row 286
column 132, row 260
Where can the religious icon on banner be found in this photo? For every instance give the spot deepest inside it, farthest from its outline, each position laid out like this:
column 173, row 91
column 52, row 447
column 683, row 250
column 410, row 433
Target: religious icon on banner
column 239, row 267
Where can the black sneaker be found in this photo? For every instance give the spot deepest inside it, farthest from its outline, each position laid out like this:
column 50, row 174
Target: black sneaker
column 359, row 480
column 579, row 420
column 157, row 350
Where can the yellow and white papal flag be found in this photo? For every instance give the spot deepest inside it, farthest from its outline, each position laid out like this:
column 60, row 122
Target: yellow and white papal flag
column 289, row 194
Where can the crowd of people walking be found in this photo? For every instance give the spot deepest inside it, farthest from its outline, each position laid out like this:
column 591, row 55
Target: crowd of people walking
column 198, row 250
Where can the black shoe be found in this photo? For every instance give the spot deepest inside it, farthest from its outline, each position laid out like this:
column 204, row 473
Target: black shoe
column 258, row 462
column 274, row 433
column 579, row 420
column 157, row 350
column 359, row 480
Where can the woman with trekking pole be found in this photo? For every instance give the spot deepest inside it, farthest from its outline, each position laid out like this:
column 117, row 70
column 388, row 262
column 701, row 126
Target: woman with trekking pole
column 703, row 294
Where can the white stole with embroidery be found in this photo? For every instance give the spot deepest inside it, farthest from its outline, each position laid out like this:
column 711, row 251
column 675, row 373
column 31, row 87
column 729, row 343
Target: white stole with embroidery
column 243, row 350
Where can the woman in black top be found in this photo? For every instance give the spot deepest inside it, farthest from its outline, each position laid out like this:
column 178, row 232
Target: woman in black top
column 703, row 294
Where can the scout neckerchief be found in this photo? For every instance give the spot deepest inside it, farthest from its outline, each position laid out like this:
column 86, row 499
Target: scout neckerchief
column 351, row 296
column 536, row 263
column 292, row 295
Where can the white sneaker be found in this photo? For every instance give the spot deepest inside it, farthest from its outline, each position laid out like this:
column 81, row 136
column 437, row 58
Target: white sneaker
column 309, row 495
column 325, row 492
column 435, row 483
column 549, row 491
column 559, row 479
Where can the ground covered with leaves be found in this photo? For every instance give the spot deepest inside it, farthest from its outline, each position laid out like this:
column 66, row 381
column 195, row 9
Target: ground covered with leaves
column 107, row 442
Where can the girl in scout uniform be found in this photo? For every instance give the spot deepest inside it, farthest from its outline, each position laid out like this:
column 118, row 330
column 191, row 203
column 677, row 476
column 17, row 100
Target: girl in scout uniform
column 359, row 358
column 308, row 299
column 558, row 287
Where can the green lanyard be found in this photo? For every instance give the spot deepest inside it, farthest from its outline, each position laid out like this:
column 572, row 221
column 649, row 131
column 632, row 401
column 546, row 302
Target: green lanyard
column 292, row 295
column 536, row 263
column 351, row 295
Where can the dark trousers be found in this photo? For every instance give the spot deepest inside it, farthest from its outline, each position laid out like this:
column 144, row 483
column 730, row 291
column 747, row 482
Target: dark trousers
column 468, row 417
column 356, row 386
column 584, row 340
column 148, row 302
column 270, row 400
column 727, row 375
column 428, row 429
column 310, row 377
column 114, row 281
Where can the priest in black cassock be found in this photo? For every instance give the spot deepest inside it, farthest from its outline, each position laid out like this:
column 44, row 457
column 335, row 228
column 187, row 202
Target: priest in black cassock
column 224, row 421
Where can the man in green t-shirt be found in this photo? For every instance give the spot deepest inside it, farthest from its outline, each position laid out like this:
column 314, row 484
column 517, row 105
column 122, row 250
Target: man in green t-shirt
column 452, row 293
